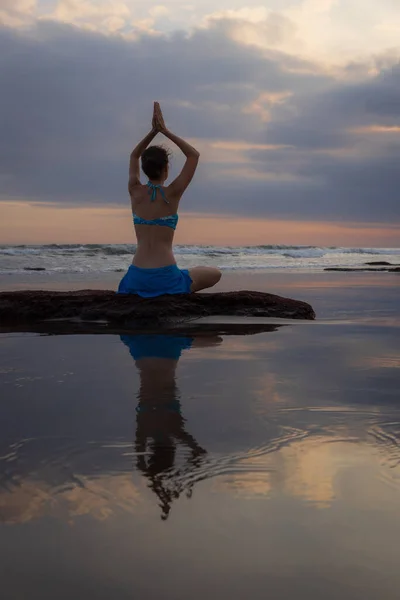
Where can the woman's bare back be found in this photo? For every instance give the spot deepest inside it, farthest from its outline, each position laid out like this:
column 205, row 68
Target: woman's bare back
column 154, row 243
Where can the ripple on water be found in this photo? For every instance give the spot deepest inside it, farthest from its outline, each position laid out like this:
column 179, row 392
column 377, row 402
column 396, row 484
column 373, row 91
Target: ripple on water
column 386, row 438
column 302, row 460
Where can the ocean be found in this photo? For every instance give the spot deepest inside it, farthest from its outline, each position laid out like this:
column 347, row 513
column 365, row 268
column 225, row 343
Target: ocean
column 108, row 258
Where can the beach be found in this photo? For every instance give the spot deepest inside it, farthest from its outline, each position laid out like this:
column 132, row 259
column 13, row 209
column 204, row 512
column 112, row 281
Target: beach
column 264, row 465
column 226, row 427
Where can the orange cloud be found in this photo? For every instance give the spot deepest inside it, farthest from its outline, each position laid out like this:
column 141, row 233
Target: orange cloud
column 376, row 129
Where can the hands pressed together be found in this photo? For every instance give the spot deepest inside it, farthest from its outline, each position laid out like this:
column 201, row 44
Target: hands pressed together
column 192, row 155
column 158, row 126
column 158, row 123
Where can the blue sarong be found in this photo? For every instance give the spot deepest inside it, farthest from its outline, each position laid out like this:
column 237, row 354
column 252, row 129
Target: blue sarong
column 149, row 283
column 153, row 345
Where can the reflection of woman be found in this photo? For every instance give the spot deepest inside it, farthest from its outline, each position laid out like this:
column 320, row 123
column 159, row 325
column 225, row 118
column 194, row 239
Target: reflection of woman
column 160, row 426
column 155, row 215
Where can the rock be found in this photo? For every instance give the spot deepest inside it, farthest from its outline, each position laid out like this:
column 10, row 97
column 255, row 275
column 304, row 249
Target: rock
column 378, row 269
column 379, row 263
column 127, row 311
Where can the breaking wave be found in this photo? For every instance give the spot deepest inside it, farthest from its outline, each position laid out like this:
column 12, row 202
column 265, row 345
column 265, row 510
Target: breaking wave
column 99, row 258
column 123, row 249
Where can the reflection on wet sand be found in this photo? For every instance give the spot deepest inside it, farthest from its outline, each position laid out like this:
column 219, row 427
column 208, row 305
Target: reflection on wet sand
column 160, row 425
column 100, row 497
column 34, row 486
column 317, row 470
column 277, row 440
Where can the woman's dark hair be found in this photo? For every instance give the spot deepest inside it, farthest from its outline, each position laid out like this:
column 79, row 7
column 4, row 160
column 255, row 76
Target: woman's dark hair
column 154, row 161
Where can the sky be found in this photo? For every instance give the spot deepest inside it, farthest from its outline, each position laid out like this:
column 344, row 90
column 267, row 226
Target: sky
column 294, row 106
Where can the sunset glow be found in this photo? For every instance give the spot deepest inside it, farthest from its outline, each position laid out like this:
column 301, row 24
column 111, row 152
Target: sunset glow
column 94, row 225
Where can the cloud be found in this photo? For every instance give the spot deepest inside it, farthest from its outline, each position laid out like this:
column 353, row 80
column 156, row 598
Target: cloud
column 255, row 26
column 159, row 11
column 295, row 140
column 106, row 15
column 14, row 13
column 335, row 30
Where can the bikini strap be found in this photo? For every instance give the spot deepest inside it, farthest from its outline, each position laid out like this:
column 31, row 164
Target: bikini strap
column 153, row 190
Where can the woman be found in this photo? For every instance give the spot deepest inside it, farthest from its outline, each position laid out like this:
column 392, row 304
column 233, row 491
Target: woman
column 167, row 454
column 153, row 271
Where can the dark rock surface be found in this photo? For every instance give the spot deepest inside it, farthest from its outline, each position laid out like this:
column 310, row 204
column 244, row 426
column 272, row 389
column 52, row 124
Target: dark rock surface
column 31, row 306
column 391, row 269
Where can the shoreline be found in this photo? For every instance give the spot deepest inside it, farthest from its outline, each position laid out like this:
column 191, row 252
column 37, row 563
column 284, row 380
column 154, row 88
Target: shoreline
column 35, row 279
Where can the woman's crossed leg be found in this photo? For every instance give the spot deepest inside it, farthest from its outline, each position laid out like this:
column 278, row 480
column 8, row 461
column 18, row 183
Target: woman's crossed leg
column 204, row 277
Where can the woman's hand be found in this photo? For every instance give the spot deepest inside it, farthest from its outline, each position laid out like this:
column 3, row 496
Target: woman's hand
column 154, row 123
column 158, row 119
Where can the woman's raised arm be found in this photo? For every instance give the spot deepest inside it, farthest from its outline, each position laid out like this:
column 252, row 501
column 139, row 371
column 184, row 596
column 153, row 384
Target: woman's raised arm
column 134, row 168
column 178, row 186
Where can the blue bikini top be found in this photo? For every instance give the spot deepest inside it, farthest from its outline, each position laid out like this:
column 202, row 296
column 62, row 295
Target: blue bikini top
column 169, row 221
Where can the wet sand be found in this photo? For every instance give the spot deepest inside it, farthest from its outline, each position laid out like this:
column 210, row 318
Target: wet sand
column 233, row 466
